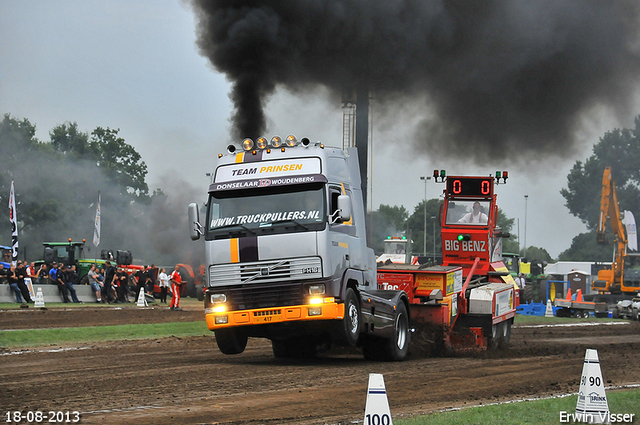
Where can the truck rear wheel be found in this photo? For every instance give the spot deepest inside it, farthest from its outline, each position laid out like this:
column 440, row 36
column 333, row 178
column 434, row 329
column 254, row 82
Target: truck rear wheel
column 392, row 349
column 230, row 341
column 635, row 314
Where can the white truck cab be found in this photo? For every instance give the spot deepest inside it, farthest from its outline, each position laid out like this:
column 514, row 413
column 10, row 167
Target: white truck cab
column 285, row 251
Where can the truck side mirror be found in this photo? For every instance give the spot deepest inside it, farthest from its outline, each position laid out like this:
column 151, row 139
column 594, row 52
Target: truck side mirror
column 344, row 206
column 343, row 210
column 195, row 228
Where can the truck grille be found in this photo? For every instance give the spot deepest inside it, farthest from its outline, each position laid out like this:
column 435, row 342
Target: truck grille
column 275, row 271
column 260, row 296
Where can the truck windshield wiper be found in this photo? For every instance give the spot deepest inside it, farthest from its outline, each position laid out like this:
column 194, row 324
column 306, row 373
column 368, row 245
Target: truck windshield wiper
column 291, row 221
column 233, row 225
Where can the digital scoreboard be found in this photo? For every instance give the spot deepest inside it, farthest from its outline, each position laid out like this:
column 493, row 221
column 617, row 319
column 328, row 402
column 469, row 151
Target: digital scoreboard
column 480, row 187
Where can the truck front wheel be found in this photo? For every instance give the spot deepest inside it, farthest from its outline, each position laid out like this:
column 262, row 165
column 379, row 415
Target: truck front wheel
column 230, row 341
column 349, row 327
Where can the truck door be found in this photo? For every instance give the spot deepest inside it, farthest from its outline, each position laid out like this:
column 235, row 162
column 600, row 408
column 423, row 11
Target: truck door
column 341, row 232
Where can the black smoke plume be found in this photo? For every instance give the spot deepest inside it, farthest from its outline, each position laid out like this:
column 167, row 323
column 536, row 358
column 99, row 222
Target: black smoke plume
column 497, row 77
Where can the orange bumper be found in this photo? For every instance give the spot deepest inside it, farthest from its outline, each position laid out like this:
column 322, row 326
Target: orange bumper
column 328, row 311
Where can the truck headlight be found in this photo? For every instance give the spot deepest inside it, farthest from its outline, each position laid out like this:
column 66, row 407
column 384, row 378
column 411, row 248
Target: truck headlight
column 218, row 298
column 318, row 289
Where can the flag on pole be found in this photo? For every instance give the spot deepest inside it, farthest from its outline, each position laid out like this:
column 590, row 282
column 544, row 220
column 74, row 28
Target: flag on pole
column 630, row 224
column 96, row 228
column 14, row 226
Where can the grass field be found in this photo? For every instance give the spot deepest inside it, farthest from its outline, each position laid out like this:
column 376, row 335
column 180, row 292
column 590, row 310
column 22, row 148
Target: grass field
column 71, row 335
column 536, row 412
column 44, row 337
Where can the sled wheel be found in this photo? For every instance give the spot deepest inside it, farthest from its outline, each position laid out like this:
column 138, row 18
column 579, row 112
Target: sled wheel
column 505, row 334
column 493, row 339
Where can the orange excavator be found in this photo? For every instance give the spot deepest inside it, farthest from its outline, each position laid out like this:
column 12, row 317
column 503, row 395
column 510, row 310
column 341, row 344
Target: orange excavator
column 622, row 280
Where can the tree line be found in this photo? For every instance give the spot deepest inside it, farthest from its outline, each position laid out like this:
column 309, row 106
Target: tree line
column 57, row 183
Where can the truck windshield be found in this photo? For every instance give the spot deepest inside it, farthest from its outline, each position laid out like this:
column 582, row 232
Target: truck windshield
column 468, row 212
column 282, row 209
column 395, row 246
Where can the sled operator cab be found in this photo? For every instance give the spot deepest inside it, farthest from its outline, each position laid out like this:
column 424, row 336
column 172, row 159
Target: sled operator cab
column 468, row 220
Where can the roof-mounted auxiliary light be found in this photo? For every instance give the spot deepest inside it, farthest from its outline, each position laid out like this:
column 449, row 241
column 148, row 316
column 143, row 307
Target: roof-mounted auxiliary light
column 276, row 141
column 261, row 143
column 291, row 141
column 247, row 144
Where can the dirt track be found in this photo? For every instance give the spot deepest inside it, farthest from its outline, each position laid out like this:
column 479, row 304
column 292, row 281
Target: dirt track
column 174, row 380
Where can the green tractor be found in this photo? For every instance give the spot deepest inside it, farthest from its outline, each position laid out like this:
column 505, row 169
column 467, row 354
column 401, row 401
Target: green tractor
column 535, row 289
column 72, row 253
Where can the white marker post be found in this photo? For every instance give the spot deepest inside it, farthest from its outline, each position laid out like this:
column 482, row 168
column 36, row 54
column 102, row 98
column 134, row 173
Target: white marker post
column 377, row 410
column 142, row 300
column 549, row 311
column 39, row 299
column 592, row 404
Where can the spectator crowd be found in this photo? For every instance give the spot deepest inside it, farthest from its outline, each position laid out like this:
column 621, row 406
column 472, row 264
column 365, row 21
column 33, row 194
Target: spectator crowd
column 110, row 283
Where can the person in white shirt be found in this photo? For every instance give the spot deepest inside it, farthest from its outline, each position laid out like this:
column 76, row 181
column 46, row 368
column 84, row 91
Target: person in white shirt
column 476, row 216
column 163, row 280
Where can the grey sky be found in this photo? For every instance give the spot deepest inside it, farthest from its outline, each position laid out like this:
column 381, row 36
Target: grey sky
column 134, row 65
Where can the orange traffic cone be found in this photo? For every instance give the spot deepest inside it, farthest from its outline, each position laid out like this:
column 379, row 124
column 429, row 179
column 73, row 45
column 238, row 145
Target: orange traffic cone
column 579, row 296
column 568, row 294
